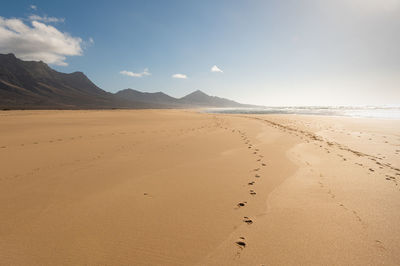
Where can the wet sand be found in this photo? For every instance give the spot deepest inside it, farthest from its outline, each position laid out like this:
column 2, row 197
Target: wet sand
column 177, row 187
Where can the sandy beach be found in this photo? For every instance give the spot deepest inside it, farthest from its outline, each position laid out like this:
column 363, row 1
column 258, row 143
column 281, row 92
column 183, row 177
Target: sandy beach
column 179, row 187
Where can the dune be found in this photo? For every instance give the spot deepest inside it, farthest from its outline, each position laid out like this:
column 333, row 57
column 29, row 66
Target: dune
column 179, row 187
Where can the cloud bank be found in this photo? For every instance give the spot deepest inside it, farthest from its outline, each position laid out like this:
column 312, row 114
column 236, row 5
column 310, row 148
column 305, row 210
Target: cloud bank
column 136, row 75
column 179, row 76
column 37, row 41
column 216, row 69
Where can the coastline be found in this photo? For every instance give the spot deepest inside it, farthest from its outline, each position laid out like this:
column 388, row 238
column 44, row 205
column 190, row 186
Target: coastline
column 163, row 187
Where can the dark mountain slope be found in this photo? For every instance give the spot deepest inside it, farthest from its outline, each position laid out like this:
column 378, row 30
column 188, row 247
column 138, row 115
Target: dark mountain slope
column 34, row 85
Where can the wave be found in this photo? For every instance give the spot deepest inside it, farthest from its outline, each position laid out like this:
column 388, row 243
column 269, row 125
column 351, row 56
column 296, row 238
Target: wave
column 365, row 112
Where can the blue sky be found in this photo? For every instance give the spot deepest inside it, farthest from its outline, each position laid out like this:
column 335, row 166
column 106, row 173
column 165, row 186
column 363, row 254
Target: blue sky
column 341, row 52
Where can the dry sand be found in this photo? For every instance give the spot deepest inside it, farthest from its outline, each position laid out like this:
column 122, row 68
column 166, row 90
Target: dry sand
column 163, row 187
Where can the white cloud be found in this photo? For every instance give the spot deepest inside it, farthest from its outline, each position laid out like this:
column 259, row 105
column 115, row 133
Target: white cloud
column 179, row 76
column 136, row 75
column 216, row 69
column 46, row 19
column 91, row 41
column 33, row 7
column 37, row 42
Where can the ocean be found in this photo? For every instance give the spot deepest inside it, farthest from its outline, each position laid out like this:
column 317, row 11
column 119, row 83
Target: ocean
column 365, row 112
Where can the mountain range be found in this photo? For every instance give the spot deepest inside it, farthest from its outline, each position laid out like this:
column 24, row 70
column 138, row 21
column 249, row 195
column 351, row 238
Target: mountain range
column 34, row 85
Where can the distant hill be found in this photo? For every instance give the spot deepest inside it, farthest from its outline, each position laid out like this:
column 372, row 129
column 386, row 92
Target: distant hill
column 199, row 98
column 154, row 98
column 194, row 99
column 34, row 85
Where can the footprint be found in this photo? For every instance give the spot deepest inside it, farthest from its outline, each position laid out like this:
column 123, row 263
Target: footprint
column 257, row 176
column 263, row 164
column 247, row 220
column 251, row 183
column 241, row 242
column 332, row 195
column 242, row 204
column 388, row 177
column 380, row 245
column 252, row 192
column 357, row 216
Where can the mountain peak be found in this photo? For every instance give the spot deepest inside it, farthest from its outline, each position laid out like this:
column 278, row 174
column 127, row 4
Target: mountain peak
column 196, row 95
column 198, row 92
column 78, row 74
column 10, row 55
column 199, row 98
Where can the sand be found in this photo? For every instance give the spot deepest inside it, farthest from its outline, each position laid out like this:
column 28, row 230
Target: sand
column 165, row 187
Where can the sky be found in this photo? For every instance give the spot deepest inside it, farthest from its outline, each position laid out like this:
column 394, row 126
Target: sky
column 275, row 53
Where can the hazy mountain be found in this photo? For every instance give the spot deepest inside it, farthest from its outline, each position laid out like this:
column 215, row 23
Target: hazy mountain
column 199, row 98
column 147, row 97
column 194, row 99
column 34, row 85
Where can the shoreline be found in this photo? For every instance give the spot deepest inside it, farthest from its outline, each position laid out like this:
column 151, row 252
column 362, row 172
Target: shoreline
column 319, row 111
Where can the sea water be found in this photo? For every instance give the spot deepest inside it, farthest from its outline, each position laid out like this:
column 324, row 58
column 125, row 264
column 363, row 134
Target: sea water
column 366, row 112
